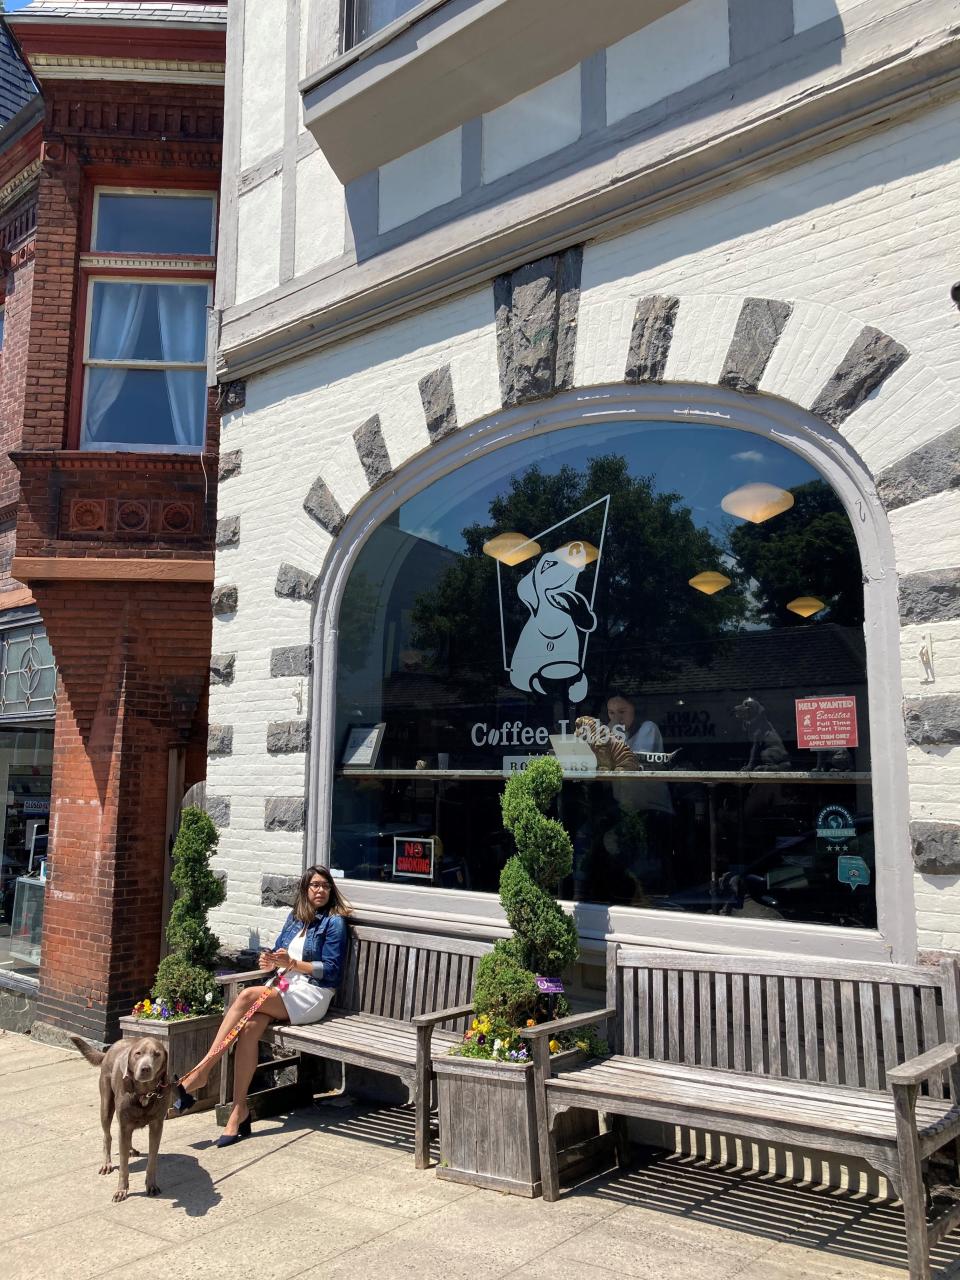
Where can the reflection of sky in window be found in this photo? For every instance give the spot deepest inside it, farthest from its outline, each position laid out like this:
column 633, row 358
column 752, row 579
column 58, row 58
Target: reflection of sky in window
column 700, row 463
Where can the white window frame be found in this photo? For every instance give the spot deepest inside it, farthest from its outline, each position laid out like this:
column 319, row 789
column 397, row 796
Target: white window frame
column 473, row 913
column 108, row 266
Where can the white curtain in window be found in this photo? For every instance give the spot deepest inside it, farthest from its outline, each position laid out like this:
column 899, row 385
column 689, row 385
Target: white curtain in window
column 116, row 330
column 183, row 320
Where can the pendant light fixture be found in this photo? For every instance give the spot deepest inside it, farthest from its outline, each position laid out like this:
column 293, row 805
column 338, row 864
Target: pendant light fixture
column 757, row 502
column 806, row 606
column 511, row 548
column 709, row 582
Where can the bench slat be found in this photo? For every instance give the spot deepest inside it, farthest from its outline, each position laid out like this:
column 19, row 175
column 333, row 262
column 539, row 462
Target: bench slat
column 673, row 1015
column 657, row 983
column 791, row 1018
column 630, row 1041
column 811, row 1031
column 830, row 1044
column 689, row 984
column 706, row 1020
column 868, row 1021
column 933, row 1034
column 721, row 1014
column 773, row 1024
column 848, row 1021
column 908, row 1021
column 757, row 1037
column 738, row 1012
column 780, row 966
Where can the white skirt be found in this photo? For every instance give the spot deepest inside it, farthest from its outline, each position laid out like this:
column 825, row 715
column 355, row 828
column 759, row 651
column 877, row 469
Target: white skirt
column 306, row 1002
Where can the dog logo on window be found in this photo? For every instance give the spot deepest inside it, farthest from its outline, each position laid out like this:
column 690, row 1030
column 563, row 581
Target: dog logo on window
column 551, row 644
column 549, row 647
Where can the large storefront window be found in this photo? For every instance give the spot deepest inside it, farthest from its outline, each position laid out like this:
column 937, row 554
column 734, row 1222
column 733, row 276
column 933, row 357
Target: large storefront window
column 676, row 613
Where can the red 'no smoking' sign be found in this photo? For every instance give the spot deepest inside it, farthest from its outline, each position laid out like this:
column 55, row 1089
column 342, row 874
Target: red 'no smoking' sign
column 824, row 724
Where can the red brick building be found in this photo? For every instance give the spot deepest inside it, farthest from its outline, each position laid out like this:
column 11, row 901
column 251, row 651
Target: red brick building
column 109, row 174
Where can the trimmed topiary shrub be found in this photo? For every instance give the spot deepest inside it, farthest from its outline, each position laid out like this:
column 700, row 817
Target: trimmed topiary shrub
column 544, row 941
column 185, row 983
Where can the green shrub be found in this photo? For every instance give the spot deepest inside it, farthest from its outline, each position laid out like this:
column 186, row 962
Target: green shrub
column 544, row 938
column 185, row 981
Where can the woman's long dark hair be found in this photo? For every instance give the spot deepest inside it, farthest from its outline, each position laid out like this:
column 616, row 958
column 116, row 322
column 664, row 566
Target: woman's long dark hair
column 337, row 904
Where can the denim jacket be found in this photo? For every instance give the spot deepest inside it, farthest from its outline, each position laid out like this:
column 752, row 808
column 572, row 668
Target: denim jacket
column 324, row 947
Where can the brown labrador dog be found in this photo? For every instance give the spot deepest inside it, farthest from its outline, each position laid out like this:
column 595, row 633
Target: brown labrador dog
column 134, row 1085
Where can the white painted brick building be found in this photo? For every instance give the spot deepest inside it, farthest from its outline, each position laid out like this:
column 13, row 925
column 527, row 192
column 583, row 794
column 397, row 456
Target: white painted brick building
column 385, row 223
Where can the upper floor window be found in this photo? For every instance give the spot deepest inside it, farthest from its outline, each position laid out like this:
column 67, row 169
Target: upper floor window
column 365, row 17
column 148, row 281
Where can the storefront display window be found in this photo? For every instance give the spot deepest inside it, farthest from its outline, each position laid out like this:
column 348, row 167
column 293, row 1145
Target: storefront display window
column 26, row 761
column 675, row 612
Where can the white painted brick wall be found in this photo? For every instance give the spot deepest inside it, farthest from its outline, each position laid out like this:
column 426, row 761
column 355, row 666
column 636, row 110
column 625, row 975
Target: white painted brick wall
column 862, row 236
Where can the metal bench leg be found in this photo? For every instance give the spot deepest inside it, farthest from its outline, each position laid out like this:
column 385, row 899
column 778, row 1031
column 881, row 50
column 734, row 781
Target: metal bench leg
column 912, row 1190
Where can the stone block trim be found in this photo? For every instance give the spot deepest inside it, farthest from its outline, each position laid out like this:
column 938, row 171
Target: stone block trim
column 872, row 358
column 295, row 584
column 218, row 807
column 295, row 660
column 650, row 339
column 287, row 737
column 220, row 740
column 228, row 532
column 284, row 813
column 759, row 327
column 932, row 469
column 278, row 891
column 222, row 668
column 439, row 409
column 936, row 847
column 323, row 507
column 225, row 601
column 229, row 465
column 933, row 721
column 930, row 597
column 537, row 308
column 372, row 451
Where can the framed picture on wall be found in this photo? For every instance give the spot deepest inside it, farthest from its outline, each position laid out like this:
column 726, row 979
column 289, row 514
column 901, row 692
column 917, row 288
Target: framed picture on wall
column 362, row 746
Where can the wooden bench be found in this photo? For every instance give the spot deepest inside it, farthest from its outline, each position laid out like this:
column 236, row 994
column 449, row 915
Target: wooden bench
column 397, row 989
column 841, row 1058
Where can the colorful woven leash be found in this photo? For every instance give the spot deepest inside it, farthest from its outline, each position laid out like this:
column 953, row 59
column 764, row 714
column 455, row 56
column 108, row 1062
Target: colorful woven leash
column 223, row 1045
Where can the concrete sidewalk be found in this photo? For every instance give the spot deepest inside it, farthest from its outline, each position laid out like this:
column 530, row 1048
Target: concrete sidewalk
column 332, row 1192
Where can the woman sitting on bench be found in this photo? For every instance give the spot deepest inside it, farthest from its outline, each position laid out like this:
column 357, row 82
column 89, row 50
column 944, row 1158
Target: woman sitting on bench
column 310, row 950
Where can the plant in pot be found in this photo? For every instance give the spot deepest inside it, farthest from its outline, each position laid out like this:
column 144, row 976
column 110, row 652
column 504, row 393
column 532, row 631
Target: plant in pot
column 485, row 1086
column 183, row 1009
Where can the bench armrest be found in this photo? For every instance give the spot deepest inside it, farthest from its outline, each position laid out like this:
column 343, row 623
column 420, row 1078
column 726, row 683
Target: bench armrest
column 925, row 1065
column 442, row 1015
column 566, row 1024
column 225, row 979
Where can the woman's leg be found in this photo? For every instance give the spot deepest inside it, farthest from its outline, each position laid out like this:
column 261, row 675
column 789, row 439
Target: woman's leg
column 198, row 1077
column 245, row 1057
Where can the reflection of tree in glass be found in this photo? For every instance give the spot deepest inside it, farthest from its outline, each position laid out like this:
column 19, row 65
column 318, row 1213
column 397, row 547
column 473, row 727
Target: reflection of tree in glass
column 644, row 607
column 808, row 550
column 356, row 625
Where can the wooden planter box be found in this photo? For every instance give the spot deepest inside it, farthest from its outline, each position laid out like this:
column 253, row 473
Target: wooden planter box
column 488, row 1126
column 186, row 1041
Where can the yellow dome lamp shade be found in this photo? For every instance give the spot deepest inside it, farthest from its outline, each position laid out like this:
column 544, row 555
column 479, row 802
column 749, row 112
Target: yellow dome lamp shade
column 511, row 548
column 577, row 553
column 806, row 606
column 757, row 502
column 709, row 582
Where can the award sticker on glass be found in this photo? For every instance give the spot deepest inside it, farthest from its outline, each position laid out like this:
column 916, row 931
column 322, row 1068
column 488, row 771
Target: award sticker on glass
column 852, row 870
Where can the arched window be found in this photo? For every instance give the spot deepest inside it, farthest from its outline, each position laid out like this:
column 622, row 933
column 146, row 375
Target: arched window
column 674, row 610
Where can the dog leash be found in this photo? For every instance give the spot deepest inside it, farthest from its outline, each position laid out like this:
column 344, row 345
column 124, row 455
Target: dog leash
column 223, row 1045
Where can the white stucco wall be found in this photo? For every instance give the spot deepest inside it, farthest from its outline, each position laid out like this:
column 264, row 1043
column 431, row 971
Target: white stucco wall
column 533, row 125
column 264, row 63
column 258, row 263
column 320, row 213
column 860, row 236
column 665, row 56
column 420, row 180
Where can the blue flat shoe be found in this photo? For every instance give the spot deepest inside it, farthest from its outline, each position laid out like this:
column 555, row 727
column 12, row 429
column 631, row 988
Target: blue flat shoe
column 228, row 1139
column 184, row 1100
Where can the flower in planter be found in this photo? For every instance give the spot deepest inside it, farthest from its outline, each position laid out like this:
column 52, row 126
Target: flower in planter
column 554, row 1046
